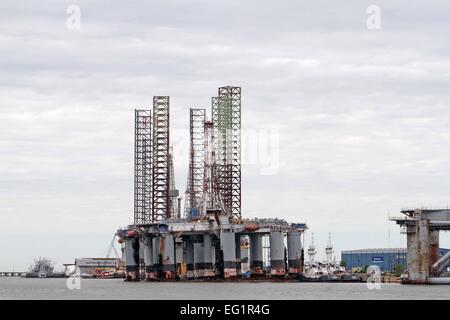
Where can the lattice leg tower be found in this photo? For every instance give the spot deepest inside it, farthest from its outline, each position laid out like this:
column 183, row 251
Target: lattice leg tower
column 173, row 192
column 161, row 178
column 142, row 166
column 226, row 114
column 197, row 159
column 235, row 93
column 220, row 121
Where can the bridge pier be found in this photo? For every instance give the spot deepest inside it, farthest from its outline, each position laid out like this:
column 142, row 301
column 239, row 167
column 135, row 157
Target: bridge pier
column 422, row 236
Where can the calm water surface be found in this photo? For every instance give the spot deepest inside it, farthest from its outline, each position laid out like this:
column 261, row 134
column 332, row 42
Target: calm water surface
column 20, row 288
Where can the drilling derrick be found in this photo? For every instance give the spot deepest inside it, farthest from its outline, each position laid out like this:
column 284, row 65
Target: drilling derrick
column 211, row 189
column 196, row 180
column 226, row 115
column 187, row 197
column 160, row 172
column 173, row 192
column 142, row 166
column 220, row 122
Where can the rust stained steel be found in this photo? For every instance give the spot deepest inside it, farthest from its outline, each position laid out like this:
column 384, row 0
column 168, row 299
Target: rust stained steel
column 251, row 226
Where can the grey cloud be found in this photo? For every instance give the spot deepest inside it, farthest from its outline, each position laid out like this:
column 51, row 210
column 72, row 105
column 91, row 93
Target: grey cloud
column 362, row 115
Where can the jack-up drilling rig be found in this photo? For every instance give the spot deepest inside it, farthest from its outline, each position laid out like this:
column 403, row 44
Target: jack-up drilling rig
column 206, row 242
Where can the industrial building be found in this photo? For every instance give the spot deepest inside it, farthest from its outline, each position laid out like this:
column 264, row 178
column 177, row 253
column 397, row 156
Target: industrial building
column 386, row 258
column 90, row 265
column 204, row 239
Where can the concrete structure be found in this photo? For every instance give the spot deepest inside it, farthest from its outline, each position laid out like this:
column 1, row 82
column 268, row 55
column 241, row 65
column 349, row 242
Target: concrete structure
column 422, row 228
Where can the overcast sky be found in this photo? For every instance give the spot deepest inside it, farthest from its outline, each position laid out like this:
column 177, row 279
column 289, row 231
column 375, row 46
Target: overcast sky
column 359, row 118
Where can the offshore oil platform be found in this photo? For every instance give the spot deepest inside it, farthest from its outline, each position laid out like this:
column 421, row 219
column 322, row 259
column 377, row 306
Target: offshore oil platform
column 209, row 239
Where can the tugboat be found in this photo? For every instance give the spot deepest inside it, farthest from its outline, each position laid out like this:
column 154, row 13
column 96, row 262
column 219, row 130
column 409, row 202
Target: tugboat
column 312, row 272
column 328, row 271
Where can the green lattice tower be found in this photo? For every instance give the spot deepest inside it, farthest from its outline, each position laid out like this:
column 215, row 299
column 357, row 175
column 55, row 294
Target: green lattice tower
column 226, row 115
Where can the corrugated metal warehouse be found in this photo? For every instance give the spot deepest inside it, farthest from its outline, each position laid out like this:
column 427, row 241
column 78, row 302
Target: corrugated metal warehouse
column 385, row 258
